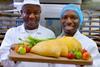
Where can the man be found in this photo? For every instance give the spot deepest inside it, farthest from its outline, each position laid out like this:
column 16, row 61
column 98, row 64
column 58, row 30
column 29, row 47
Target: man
column 71, row 19
column 30, row 12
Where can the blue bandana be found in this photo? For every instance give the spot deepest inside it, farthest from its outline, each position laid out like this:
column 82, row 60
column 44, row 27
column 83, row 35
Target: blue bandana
column 74, row 8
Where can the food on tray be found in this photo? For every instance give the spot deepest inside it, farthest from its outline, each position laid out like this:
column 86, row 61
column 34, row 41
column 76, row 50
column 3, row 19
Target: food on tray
column 79, row 54
column 70, row 42
column 22, row 48
column 47, row 48
column 32, row 41
column 50, row 47
column 65, row 46
column 28, row 43
column 86, row 56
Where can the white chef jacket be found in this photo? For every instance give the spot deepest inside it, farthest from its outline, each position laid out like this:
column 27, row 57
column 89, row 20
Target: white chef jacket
column 12, row 36
column 90, row 46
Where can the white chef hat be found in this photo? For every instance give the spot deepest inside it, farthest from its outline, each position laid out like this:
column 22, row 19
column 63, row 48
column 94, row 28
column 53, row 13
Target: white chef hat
column 31, row 2
column 19, row 5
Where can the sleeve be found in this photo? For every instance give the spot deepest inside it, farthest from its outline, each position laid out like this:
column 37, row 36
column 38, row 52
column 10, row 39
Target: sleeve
column 92, row 48
column 6, row 44
column 95, row 55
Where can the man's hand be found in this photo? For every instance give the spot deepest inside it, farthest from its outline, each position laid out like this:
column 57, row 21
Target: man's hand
column 13, row 46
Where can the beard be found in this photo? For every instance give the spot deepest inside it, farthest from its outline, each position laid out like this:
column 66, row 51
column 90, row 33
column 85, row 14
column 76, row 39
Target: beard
column 31, row 25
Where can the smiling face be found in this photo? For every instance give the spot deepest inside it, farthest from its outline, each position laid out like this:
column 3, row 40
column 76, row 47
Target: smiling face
column 70, row 22
column 31, row 16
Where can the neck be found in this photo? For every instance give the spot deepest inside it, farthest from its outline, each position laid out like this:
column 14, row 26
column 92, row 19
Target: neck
column 69, row 33
column 66, row 34
column 30, row 28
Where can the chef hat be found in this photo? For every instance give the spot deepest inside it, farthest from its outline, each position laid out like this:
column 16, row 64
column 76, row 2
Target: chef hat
column 75, row 8
column 31, row 2
column 19, row 5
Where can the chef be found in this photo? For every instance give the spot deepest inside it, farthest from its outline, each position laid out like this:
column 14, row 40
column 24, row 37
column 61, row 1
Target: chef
column 71, row 20
column 30, row 13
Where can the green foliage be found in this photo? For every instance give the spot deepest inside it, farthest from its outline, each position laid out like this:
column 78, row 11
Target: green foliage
column 33, row 41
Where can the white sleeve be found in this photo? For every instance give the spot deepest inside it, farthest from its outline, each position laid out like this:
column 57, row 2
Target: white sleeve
column 6, row 44
column 93, row 50
column 95, row 55
column 91, row 47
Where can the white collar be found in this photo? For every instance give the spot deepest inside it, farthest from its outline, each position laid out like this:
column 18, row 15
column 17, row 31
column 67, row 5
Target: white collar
column 23, row 28
column 75, row 35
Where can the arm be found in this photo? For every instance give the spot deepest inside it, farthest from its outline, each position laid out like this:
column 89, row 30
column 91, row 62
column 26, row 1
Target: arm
column 6, row 45
column 93, row 50
column 95, row 55
column 91, row 47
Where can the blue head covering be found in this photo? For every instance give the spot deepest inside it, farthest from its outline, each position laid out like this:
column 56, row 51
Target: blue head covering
column 74, row 8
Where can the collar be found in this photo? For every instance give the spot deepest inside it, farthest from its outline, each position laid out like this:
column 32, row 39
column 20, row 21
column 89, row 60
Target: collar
column 23, row 28
column 75, row 35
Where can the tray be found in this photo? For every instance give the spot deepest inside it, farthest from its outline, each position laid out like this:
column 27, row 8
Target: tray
column 29, row 57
